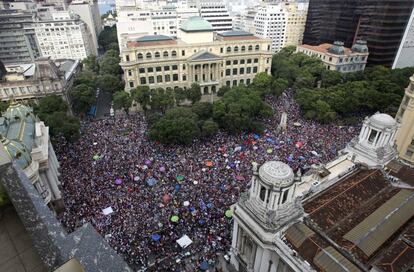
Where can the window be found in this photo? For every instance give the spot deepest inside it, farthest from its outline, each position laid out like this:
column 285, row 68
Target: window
column 241, row 71
column 127, row 57
column 151, row 80
column 234, row 82
column 175, row 77
column 131, row 84
column 228, row 72
column 243, row 48
column 228, row 62
column 248, row 81
column 141, row 70
column 148, row 56
column 242, row 61
column 221, row 50
column 249, row 70
column 143, row 81
column 157, row 55
column 255, row 69
column 150, row 70
column 166, row 68
column 183, row 66
column 140, row 56
column 184, row 77
column 256, row 60
column 129, row 73
column 262, row 194
column 228, row 83
column 284, row 198
column 372, row 136
column 175, row 67
column 167, row 78
column 234, row 71
column 182, row 52
column 159, row 79
column 241, row 81
column 330, row 58
column 249, row 61
column 165, row 54
column 257, row 47
column 250, row 47
column 236, row 49
column 228, row 49
column 174, row 53
column 409, row 153
column 158, row 69
column 235, row 62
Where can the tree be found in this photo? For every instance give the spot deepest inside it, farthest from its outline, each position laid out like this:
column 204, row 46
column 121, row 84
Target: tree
column 83, row 97
column 279, row 86
column 223, row 90
column 330, row 78
column 262, row 82
column 143, row 96
column 209, row 128
column 194, row 93
column 85, row 77
column 177, row 126
column 107, row 36
column 3, row 106
column 122, row 100
column 91, row 64
column 110, row 65
column 203, row 110
column 109, row 83
column 179, row 95
column 162, row 99
column 62, row 124
column 49, row 105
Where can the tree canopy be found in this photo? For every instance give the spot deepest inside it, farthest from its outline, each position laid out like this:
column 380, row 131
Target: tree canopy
column 122, row 100
column 83, row 97
column 108, row 36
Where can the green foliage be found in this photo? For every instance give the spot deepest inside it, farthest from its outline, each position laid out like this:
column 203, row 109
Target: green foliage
column 109, row 83
column 330, row 78
column 203, row 110
column 85, row 77
column 223, row 90
column 279, row 85
column 83, row 97
column 240, row 109
column 122, row 100
column 177, row 126
column 53, row 111
column 107, row 36
column 209, row 128
column 4, row 199
column 194, row 93
column 262, row 82
column 91, row 64
column 3, row 106
column 180, row 95
column 142, row 95
column 110, row 63
column 162, row 99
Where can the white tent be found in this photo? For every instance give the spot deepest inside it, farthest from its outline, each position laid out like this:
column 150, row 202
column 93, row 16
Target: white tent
column 184, row 241
column 107, row 211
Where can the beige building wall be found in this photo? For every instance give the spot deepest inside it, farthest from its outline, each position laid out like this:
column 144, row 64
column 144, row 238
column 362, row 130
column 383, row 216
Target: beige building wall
column 296, row 21
column 405, row 115
column 210, row 64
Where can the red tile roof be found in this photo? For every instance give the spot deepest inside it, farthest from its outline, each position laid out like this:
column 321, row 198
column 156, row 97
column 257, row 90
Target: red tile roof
column 323, row 48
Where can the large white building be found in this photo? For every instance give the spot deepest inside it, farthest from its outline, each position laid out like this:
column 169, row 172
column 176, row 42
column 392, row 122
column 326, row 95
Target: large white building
column 26, row 141
column 88, row 12
column 283, row 22
column 65, row 36
column 405, row 53
column 217, row 14
column 352, row 214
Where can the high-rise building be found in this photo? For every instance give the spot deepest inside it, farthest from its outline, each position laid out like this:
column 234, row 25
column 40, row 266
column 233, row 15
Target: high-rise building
column 405, row 54
column 296, row 20
column 405, row 115
column 17, row 36
column 65, row 36
column 381, row 23
column 217, row 14
column 88, row 12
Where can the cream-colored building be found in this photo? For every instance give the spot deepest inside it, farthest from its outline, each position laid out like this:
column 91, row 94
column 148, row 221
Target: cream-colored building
column 199, row 55
column 336, row 57
column 295, row 25
column 405, row 115
column 26, row 140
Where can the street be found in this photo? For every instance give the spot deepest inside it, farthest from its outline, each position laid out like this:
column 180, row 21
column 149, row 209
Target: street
column 103, row 104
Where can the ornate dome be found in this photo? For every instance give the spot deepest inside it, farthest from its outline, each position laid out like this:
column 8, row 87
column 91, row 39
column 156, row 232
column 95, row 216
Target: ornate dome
column 17, row 111
column 382, row 120
column 360, row 46
column 196, row 24
column 276, row 173
column 17, row 152
column 337, row 48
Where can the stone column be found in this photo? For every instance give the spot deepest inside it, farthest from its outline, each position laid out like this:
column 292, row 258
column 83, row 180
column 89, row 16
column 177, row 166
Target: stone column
column 362, row 133
column 376, row 138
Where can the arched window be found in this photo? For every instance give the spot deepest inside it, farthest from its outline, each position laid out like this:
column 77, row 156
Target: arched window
column 140, row 56
column 250, row 47
column 157, row 54
column 174, row 53
column 236, row 49
column 243, row 48
column 262, row 193
column 165, row 54
column 148, row 56
column 228, row 49
column 257, row 47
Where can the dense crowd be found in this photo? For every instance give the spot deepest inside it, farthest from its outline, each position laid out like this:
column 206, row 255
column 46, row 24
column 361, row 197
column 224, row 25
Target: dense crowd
column 115, row 165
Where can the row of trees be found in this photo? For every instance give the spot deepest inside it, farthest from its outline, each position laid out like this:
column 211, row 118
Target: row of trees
column 240, row 109
column 325, row 95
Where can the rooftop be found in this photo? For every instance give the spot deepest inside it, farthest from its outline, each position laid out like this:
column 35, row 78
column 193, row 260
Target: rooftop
column 196, row 24
column 235, row 33
column 324, row 47
column 367, row 220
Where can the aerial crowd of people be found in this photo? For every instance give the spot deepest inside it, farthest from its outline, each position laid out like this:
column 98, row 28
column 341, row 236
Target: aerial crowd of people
column 157, row 194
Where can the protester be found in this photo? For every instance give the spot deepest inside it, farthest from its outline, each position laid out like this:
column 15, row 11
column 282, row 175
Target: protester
column 114, row 164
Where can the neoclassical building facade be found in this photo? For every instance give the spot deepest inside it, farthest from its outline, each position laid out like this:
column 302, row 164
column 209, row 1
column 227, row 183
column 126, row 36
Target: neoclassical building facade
column 26, row 140
column 199, row 55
